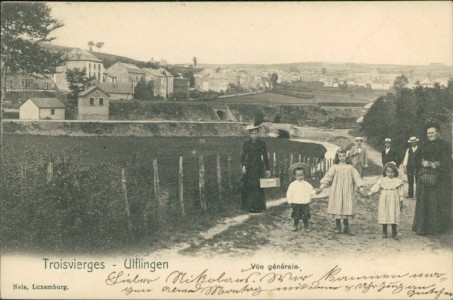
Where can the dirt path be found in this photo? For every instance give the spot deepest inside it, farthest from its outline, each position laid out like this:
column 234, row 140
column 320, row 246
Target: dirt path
column 255, row 234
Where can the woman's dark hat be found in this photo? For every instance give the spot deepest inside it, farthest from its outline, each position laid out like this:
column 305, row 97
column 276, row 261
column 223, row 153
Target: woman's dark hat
column 292, row 169
column 432, row 124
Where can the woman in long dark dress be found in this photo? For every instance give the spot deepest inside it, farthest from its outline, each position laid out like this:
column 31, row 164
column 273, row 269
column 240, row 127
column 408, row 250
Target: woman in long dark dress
column 254, row 162
column 433, row 205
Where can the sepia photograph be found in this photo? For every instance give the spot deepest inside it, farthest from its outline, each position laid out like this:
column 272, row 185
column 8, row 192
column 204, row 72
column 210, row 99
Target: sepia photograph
column 226, row 150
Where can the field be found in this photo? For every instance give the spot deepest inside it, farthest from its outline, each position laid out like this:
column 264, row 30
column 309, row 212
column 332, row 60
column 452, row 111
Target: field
column 101, row 194
column 265, row 98
column 321, row 96
column 119, row 150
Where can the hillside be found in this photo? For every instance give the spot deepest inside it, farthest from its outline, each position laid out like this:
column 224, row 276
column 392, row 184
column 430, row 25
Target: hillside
column 351, row 67
column 108, row 59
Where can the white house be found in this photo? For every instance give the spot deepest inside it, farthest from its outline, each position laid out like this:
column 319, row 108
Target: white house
column 80, row 59
column 381, row 85
column 124, row 72
column 162, row 81
column 212, row 82
column 42, row 109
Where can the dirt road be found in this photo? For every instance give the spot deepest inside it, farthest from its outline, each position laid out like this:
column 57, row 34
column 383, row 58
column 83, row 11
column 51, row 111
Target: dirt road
column 258, row 234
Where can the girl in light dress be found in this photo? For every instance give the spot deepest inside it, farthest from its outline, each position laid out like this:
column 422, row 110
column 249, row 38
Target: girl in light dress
column 344, row 179
column 390, row 200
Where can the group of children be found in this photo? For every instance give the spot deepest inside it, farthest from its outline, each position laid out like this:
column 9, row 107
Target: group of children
column 344, row 179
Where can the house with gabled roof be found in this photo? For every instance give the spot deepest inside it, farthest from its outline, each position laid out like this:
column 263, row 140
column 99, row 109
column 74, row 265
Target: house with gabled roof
column 162, row 81
column 211, row 82
column 93, row 104
column 124, row 72
column 118, row 90
column 80, row 59
column 42, row 109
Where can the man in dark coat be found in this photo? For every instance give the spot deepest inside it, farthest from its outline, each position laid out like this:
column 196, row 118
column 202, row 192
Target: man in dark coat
column 255, row 165
column 412, row 163
column 389, row 153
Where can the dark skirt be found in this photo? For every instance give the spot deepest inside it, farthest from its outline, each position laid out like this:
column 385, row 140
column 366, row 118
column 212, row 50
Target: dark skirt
column 300, row 211
column 253, row 199
column 432, row 208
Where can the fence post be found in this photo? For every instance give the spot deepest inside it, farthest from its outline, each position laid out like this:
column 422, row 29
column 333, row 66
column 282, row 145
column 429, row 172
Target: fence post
column 181, row 187
column 300, row 158
column 23, row 171
column 291, row 159
column 201, row 184
column 128, row 213
column 156, row 180
column 49, row 172
column 219, row 178
column 230, row 186
column 274, row 162
column 285, row 169
column 157, row 189
column 65, row 161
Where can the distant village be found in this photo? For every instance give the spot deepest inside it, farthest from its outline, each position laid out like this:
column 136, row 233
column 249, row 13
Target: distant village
column 120, row 80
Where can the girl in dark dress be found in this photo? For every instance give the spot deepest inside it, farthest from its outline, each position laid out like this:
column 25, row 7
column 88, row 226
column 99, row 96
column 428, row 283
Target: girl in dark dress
column 254, row 162
column 433, row 206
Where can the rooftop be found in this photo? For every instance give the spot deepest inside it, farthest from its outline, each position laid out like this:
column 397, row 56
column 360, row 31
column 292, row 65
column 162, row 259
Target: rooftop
column 79, row 54
column 87, row 91
column 130, row 66
column 116, row 87
column 47, row 102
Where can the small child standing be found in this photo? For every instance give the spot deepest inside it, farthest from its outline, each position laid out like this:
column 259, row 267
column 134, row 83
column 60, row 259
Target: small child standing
column 298, row 195
column 344, row 178
column 390, row 200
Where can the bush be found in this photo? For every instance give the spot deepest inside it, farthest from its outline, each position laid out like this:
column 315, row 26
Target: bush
column 82, row 208
column 405, row 113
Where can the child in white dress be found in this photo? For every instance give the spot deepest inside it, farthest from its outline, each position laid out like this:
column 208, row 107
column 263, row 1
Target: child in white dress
column 390, row 200
column 344, row 179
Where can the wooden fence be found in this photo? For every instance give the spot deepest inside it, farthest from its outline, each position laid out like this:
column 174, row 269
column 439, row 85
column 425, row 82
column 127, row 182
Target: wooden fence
column 224, row 180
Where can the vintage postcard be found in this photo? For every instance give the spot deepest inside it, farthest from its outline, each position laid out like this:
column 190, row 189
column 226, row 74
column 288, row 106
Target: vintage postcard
column 226, row 150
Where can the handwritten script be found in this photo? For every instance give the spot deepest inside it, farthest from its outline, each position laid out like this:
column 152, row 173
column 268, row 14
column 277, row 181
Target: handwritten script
column 255, row 282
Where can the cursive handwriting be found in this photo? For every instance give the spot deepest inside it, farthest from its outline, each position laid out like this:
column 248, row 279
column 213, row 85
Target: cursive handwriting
column 256, row 281
column 117, row 278
column 184, row 278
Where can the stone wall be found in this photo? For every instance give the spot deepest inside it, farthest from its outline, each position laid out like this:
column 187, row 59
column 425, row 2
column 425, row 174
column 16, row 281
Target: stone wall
column 124, row 128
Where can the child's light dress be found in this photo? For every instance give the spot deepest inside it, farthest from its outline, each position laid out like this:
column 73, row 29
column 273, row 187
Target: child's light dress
column 392, row 191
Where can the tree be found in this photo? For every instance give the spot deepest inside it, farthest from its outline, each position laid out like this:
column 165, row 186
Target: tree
column 99, row 45
column 404, row 114
column 144, row 90
column 195, row 62
column 259, row 118
column 273, row 79
column 400, row 82
column 77, row 83
column 24, row 26
column 90, row 45
column 324, row 71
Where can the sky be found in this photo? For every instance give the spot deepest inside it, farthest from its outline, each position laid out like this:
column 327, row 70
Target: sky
column 416, row 33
